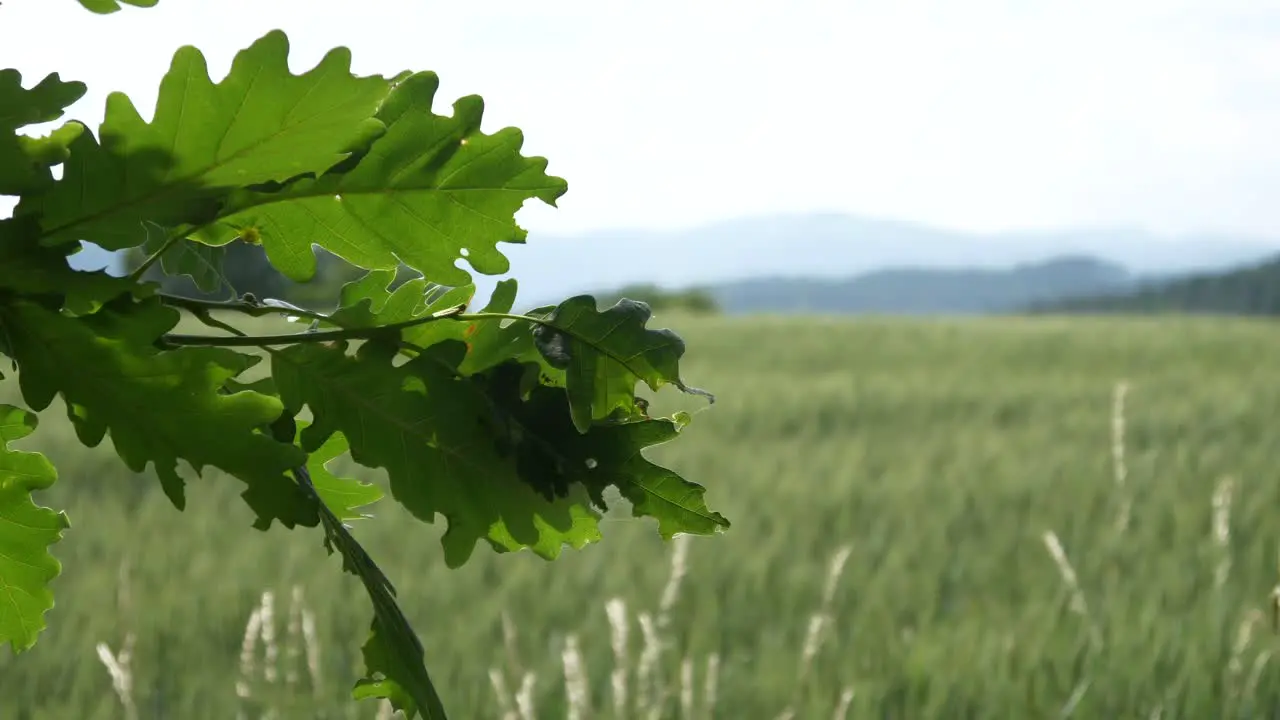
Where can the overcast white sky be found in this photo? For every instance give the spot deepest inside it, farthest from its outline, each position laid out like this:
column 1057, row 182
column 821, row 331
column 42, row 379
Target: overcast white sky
column 980, row 115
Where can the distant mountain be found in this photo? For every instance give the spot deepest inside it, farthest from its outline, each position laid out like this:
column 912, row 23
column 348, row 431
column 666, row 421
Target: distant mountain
column 922, row 291
column 1250, row 290
column 837, row 247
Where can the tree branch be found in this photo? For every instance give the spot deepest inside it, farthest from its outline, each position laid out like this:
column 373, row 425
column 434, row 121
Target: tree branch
column 243, row 306
column 307, row 337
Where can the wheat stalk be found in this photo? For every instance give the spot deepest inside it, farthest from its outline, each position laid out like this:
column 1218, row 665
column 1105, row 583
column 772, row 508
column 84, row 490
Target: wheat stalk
column 819, row 622
column 670, row 593
column 842, row 707
column 576, row 686
column 511, row 645
column 271, row 652
column 616, row 610
column 252, row 631
column 1222, row 498
column 686, row 688
column 1120, row 469
column 648, row 703
column 1069, row 708
column 711, row 686
column 499, row 685
column 293, row 638
column 1244, row 638
column 1072, row 583
column 524, row 697
column 119, row 666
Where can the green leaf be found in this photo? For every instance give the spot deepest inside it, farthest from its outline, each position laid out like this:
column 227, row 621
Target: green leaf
column 26, row 532
column 396, row 669
column 491, row 342
column 414, row 298
column 554, row 457
column 604, row 355
column 160, row 406
column 430, row 190
column 200, row 259
column 341, row 495
column 25, row 161
column 431, row 431
column 260, row 124
column 369, row 291
column 106, row 7
column 367, row 303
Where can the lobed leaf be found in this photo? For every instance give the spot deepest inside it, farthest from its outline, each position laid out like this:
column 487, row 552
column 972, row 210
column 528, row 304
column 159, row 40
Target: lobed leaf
column 430, row 190
column 554, row 456
column 24, row 160
column 499, row 468
column 341, row 495
column 395, row 667
column 260, row 124
column 604, row 355
column 366, row 302
column 201, row 259
column 427, row 427
column 26, row 532
column 160, row 406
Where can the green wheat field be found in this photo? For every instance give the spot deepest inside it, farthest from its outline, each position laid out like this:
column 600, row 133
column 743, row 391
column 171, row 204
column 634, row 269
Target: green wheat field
column 988, row 518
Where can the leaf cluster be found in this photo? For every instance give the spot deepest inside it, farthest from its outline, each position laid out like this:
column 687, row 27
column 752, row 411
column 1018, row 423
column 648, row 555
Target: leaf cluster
column 512, row 427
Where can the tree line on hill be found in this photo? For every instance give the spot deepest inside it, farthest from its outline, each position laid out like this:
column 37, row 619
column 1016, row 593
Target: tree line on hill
column 1250, row 290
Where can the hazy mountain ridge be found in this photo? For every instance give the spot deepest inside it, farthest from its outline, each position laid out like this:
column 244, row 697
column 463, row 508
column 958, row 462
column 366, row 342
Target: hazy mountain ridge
column 828, row 247
column 928, row 291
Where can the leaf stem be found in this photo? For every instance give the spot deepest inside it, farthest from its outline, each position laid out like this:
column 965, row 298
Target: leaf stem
column 365, row 333
column 151, row 259
column 243, row 305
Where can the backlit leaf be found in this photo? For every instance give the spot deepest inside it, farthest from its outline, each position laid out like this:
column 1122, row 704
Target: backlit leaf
column 160, row 406
column 26, row 532
column 604, row 355
column 259, row 124
column 498, row 468
column 431, row 190
column 24, row 160
column 341, row 495
column 427, row 428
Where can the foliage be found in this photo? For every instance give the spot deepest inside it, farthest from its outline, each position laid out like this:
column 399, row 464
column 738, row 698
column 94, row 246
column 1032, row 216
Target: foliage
column 474, row 417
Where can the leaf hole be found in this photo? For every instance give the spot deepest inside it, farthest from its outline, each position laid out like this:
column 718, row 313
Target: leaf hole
column 592, row 464
column 465, row 253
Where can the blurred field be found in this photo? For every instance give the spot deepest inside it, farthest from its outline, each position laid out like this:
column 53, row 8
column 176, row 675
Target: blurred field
column 939, row 453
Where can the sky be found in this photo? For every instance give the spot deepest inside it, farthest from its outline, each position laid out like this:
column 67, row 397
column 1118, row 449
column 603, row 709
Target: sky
column 983, row 115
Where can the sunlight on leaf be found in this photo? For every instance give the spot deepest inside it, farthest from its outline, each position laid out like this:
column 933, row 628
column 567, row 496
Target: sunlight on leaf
column 26, row 532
